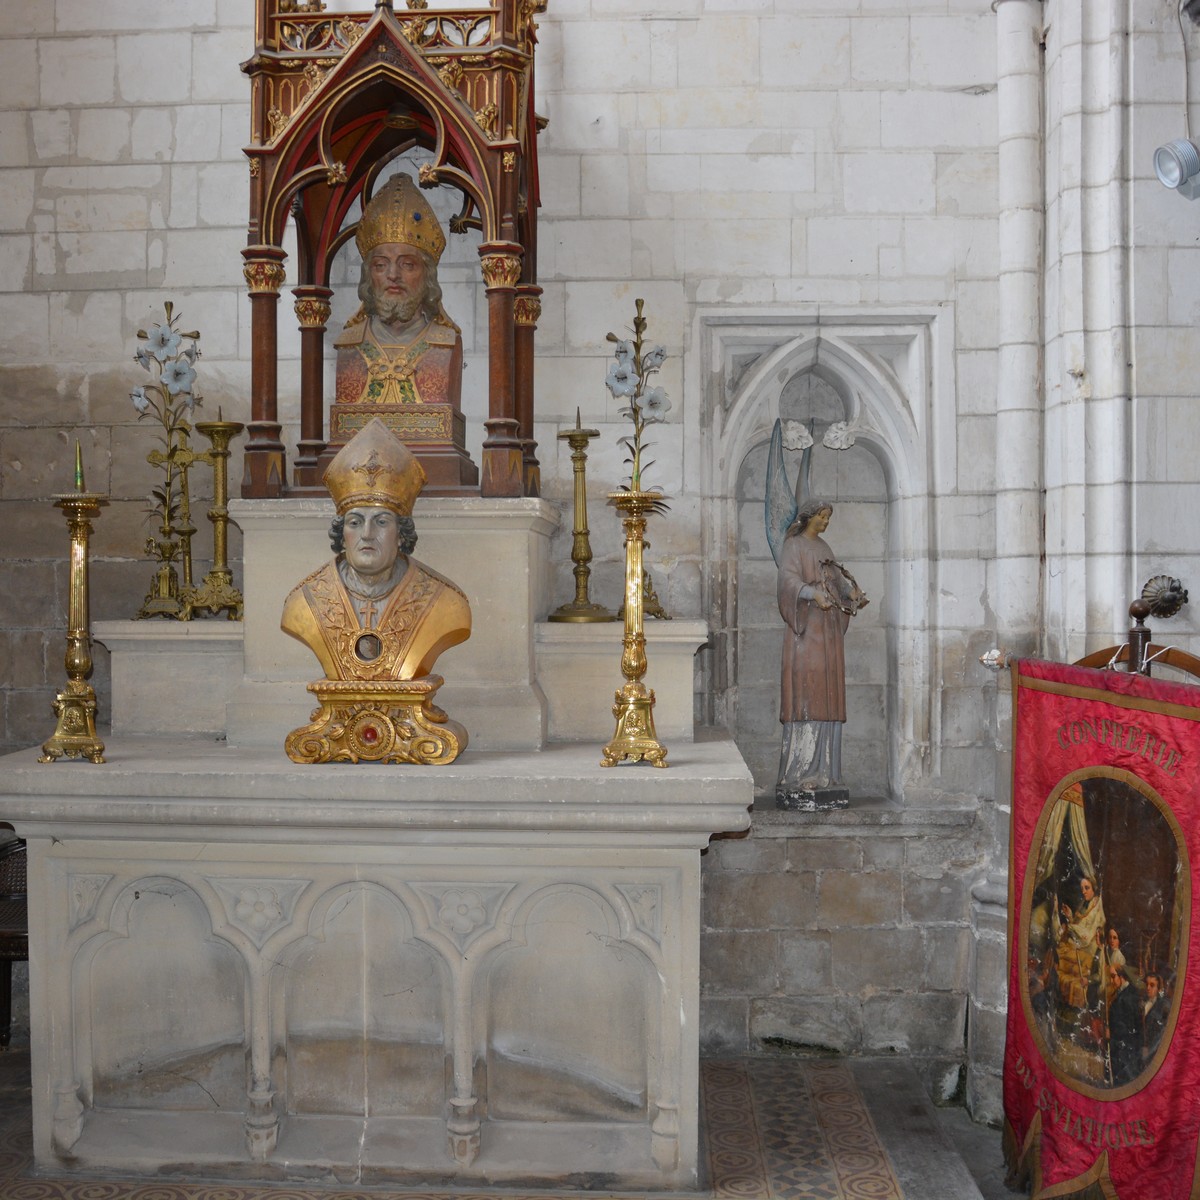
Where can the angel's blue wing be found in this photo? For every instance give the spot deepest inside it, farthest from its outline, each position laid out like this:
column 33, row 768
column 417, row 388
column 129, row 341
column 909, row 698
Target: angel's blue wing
column 779, row 505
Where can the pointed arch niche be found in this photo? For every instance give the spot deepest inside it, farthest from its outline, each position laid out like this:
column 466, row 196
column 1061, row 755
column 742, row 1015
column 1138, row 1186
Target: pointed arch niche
column 886, row 374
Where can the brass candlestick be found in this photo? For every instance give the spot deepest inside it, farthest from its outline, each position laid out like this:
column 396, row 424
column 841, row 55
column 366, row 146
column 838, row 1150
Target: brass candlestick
column 633, row 708
column 75, row 706
column 217, row 592
column 580, row 609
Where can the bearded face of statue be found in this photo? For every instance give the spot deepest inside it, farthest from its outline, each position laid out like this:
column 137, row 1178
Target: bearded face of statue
column 371, row 539
column 396, row 278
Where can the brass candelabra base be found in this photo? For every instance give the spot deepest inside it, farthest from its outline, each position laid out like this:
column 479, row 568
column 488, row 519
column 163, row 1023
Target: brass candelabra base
column 74, row 735
column 215, row 594
column 582, row 613
column 635, row 739
column 378, row 721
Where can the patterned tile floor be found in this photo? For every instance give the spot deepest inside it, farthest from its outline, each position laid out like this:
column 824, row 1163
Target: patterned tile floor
column 773, row 1129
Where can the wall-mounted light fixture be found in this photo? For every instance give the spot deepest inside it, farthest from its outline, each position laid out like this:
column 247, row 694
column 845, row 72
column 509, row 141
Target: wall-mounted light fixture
column 1177, row 165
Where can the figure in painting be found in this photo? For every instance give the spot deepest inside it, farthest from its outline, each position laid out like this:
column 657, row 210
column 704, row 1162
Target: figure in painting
column 1124, row 1029
column 1079, row 937
column 375, row 618
column 1093, row 984
column 1155, row 1010
column 400, row 356
column 817, row 598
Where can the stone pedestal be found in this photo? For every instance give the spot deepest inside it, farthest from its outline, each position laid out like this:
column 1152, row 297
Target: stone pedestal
column 496, row 551
column 579, row 669
column 486, row 971
column 172, row 677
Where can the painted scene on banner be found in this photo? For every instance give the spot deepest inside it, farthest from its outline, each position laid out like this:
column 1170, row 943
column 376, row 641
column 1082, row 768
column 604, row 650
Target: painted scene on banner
column 1102, row 1052
column 1106, row 894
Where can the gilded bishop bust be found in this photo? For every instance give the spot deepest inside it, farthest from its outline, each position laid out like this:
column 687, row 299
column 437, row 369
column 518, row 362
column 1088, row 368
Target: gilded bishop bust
column 376, row 618
column 400, row 356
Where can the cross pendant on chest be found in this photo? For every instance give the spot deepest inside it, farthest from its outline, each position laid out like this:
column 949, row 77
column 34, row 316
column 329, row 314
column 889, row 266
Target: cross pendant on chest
column 368, row 614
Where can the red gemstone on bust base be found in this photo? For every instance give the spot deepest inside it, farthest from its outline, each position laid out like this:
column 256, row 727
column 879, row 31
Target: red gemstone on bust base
column 369, row 734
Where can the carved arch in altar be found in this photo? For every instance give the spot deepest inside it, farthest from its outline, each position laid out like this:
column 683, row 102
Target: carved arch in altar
column 336, row 97
column 887, row 374
column 181, row 1037
column 538, row 1066
column 342, row 991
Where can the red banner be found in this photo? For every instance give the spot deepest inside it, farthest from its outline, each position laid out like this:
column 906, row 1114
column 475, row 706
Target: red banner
column 1102, row 1061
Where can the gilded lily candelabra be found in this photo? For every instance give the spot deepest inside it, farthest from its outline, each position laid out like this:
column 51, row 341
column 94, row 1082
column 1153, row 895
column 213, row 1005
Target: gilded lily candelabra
column 170, row 399
column 75, row 706
column 635, row 738
column 628, row 379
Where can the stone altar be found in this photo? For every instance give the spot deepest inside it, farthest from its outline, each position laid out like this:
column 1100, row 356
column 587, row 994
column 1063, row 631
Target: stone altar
column 486, row 971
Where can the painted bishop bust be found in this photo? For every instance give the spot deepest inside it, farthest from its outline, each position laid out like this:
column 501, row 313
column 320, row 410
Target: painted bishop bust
column 376, row 618
column 400, row 356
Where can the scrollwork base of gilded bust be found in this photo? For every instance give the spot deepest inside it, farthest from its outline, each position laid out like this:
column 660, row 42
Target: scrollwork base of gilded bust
column 376, row 619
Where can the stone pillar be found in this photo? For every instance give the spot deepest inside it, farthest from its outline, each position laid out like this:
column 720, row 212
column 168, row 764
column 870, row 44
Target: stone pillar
column 988, row 1000
column 1090, row 542
column 527, row 309
column 1016, row 593
column 265, row 472
column 503, row 458
column 1016, row 584
column 312, row 313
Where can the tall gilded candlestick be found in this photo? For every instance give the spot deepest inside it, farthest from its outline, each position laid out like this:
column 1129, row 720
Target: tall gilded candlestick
column 75, row 706
column 580, row 609
column 633, row 707
column 217, row 592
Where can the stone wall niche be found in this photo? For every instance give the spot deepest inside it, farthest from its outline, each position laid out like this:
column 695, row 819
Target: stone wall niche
column 878, row 376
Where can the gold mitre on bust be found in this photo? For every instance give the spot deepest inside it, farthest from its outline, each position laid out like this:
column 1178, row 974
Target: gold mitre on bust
column 375, row 469
column 399, row 213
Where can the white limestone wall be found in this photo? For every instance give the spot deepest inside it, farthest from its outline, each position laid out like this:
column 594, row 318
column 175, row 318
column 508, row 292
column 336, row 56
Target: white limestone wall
column 1164, row 290
column 1121, row 425
column 711, row 159
column 122, row 184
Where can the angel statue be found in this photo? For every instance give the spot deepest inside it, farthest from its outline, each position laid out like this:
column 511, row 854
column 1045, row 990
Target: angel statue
column 817, row 597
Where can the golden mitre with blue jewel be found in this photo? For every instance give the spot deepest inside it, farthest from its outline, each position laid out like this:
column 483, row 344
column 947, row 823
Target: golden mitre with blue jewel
column 376, row 619
column 399, row 214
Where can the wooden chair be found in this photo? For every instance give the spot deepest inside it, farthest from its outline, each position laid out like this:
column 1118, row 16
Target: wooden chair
column 14, row 927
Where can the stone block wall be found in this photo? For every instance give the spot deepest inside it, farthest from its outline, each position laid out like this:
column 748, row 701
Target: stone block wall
column 848, row 933
column 761, row 158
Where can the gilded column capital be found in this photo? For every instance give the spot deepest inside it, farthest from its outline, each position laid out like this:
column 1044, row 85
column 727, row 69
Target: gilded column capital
column 312, row 306
column 527, row 310
column 501, row 263
column 263, row 269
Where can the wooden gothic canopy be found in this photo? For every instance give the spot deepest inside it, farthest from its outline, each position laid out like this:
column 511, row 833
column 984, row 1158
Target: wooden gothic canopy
column 336, row 97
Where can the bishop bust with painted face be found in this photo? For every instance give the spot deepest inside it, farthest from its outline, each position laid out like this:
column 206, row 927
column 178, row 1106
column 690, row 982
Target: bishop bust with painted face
column 399, row 358
column 374, row 612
